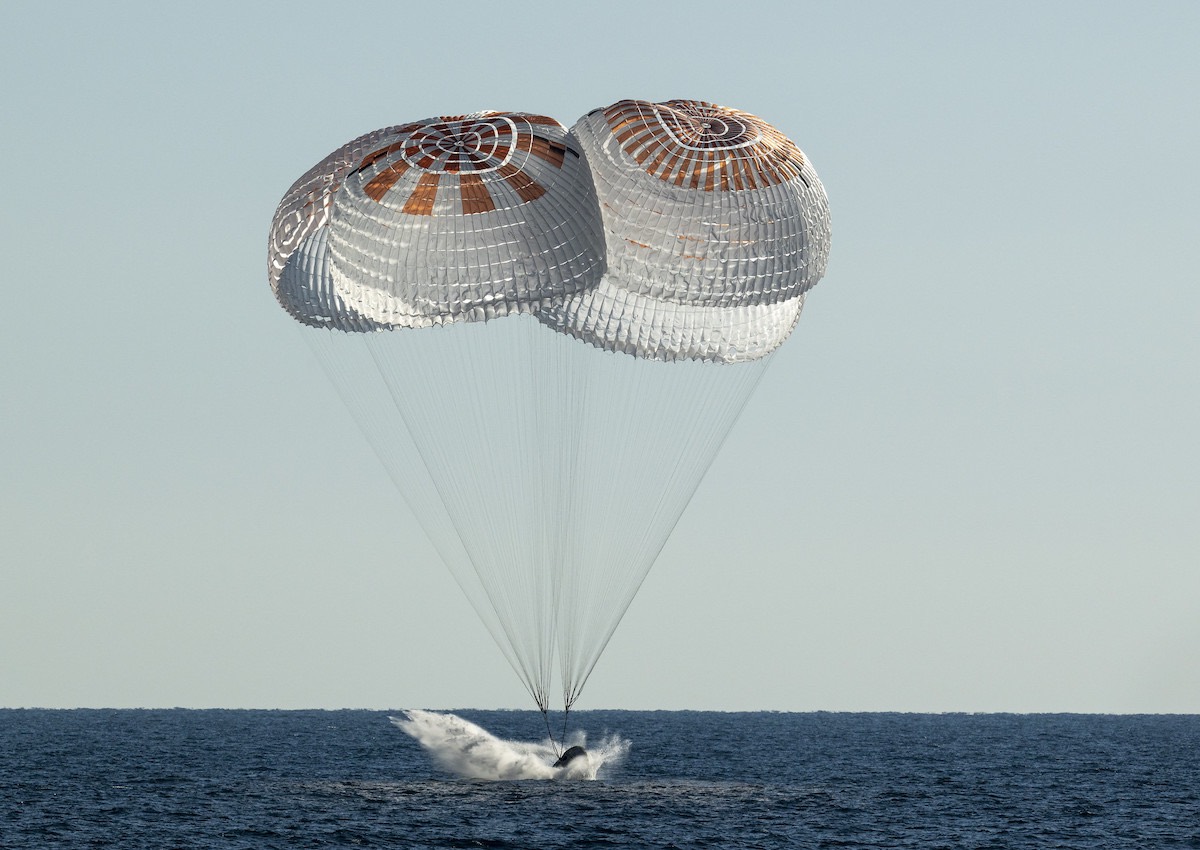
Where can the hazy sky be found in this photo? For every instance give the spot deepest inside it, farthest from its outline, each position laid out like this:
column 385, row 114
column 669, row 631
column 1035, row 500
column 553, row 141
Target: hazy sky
column 970, row 481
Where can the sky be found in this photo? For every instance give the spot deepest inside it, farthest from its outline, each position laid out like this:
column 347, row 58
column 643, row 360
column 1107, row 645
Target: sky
column 969, row 482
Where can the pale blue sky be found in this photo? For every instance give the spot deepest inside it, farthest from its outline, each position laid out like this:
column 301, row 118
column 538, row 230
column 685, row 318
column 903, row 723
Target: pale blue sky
column 971, row 480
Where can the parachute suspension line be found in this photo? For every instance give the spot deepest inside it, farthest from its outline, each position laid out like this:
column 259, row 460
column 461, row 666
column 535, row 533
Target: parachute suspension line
column 494, row 414
column 655, row 426
column 514, row 531
column 354, row 370
column 546, row 472
column 555, row 745
column 442, row 363
column 559, row 745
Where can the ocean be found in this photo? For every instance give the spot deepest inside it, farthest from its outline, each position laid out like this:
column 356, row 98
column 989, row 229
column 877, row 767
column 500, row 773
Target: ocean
column 663, row 779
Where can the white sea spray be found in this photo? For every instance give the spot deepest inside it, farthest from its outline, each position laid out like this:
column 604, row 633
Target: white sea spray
column 470, row 751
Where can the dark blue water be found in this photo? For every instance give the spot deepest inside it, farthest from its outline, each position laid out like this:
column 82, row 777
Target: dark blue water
column 296, row 779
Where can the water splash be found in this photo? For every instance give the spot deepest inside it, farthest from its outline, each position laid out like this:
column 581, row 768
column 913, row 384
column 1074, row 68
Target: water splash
column 470, row 751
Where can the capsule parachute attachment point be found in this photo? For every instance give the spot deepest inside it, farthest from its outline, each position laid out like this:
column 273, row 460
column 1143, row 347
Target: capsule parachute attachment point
column 570, row 755
column 547, row 334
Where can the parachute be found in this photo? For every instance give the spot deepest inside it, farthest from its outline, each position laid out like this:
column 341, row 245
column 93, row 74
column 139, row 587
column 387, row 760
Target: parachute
column 546, row 335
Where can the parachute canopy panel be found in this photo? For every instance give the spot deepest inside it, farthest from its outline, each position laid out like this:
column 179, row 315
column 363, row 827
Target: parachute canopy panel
column 456, row 218
column 705, row 205
column 297, row 252
column 715, row 225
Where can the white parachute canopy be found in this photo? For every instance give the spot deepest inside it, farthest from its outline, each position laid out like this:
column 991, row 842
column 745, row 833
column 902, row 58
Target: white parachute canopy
column 547, row 335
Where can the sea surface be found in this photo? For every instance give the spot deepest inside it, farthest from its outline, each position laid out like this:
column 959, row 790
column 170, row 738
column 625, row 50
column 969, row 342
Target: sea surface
column 298, row 779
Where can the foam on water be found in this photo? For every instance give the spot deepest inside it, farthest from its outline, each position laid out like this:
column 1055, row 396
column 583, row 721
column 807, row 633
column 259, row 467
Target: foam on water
column 470, row 751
